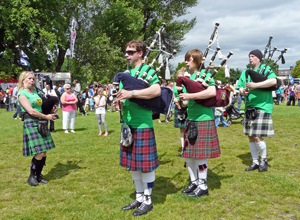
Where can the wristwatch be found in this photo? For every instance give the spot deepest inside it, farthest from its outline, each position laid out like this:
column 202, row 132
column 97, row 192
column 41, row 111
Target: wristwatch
column 132, row 93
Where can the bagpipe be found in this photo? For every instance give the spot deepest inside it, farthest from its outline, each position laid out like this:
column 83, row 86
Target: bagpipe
column 222, row 94
column 260, row 76
column 200, row 84
column 162, row 103
column 48, row 101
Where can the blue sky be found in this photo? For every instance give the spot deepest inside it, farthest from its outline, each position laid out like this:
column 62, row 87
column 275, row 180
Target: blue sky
column 244, row 26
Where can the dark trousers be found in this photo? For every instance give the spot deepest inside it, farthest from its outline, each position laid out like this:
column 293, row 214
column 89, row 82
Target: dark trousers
column 292, row 99
column 79, row 105
column 278, row 98
column 18, row 111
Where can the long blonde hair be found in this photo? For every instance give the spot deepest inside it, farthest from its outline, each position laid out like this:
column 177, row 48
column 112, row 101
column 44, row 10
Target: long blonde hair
column 23, row 75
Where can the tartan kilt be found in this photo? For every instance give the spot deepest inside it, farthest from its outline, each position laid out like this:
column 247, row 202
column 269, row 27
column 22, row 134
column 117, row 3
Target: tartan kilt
column 177, row 124
column 33, row 142
column 142, row 154
column 206, row 145
column 262, row 126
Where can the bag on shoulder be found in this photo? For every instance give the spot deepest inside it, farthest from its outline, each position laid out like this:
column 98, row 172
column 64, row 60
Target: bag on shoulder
column 192, row 130
column 43, row 127
column 251, row 113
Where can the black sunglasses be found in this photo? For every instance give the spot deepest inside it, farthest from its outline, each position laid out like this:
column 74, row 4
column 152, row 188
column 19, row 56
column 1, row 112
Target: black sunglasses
column 130, row 52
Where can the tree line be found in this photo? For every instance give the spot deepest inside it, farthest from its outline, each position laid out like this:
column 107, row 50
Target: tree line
column 42, row 30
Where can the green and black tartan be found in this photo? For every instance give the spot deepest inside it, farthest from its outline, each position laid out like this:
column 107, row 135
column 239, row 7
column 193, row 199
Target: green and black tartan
column 262, row 126
column 33, row 142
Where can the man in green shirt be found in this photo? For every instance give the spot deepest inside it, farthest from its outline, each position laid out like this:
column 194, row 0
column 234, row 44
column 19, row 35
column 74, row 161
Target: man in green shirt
column 262, row 125
column 141, row 156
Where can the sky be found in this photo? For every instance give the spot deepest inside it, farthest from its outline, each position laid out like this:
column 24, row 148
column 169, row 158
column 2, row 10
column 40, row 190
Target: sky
column 245, row 26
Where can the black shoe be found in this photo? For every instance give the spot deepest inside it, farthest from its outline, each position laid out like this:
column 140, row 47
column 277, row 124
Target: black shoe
column 180, row 155
column 198, row 192
column 190, row 188
column 42, row 180
column 143, row 209
column 32, row 181
column 253, row 166
column 133, row 205
column 263, row 166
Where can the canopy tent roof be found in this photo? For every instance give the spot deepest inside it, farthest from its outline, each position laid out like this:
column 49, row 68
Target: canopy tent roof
column 8, row 80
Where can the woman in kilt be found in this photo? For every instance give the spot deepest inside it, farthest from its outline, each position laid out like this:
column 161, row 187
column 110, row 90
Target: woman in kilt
column 262, row 125
column 34, row 144
column 181, row 124
column 206, row 143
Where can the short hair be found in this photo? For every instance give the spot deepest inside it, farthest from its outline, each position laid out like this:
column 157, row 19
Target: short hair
column 76, row 80
column 139, row 45
column 197, row 56
column 22, row 76
column 67, row 85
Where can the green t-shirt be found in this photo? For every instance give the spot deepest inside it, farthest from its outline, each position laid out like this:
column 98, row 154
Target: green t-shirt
column 133, row 114
column 258, row 98
column 197, row 112
column 34, row 100
column 175, row 91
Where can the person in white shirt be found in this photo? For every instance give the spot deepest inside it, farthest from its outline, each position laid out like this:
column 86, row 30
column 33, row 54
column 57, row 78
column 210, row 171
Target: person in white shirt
column 100, row 102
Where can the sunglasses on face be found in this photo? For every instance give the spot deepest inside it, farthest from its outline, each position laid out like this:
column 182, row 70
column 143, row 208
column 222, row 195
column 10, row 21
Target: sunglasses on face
column 130, row 52
column 67, row 88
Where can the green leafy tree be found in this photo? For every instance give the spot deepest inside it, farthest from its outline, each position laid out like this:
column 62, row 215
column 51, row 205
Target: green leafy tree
column 296, row 71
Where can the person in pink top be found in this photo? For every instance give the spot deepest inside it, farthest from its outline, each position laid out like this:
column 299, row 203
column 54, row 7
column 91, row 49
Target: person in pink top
column 68, row 101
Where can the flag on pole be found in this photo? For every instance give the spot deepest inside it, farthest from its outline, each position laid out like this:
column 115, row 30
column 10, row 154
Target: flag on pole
column 291, row 79
column 73, row 37
column 23, row 58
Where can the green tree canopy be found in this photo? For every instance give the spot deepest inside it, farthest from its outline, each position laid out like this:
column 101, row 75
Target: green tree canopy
column 296, row 71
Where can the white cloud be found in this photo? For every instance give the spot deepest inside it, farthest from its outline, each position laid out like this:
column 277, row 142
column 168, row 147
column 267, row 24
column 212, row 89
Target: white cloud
column 244, row 26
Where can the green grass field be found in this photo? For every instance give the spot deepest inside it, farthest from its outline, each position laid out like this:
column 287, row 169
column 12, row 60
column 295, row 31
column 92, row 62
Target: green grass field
column 86, row 181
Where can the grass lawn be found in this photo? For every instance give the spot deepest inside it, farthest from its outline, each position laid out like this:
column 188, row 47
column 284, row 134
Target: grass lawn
column 86, row 181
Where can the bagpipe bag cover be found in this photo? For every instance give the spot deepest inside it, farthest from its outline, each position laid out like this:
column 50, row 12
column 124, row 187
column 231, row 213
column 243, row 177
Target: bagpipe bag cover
column 220, row 100
column 161, row 104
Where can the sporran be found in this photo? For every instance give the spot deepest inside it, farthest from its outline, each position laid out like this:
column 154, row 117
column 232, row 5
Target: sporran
column 126, row 136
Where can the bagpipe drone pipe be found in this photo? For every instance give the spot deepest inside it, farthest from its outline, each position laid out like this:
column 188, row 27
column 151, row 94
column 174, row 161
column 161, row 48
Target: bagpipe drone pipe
column 48, row 101
column 200, row 84
column 260, row 76
column 162, row 103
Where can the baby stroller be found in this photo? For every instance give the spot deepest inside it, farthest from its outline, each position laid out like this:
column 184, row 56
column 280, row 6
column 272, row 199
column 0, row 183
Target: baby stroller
column 231, row 113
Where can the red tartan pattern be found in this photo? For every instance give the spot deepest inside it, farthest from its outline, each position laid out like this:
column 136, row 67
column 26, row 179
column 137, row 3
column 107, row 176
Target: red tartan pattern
column 142, row 154
column 206, row 145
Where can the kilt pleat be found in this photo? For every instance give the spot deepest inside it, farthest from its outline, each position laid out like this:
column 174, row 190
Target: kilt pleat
column 262, row 126
column 142, row 154
column 33, row 142
column 177, row 124
column 206, row 145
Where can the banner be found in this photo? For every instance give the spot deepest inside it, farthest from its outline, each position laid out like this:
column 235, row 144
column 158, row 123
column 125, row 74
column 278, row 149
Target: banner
column 73, row 37
column 23, row 58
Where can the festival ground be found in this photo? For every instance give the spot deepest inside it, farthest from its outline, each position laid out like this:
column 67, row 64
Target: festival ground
column 86, row 181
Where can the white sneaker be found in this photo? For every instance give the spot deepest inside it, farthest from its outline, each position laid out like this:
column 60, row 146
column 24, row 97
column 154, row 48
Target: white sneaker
column 66, row 131
column 72, row 131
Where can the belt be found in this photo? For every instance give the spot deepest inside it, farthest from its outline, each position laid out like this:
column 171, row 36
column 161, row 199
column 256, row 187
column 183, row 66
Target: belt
column 26, row 115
